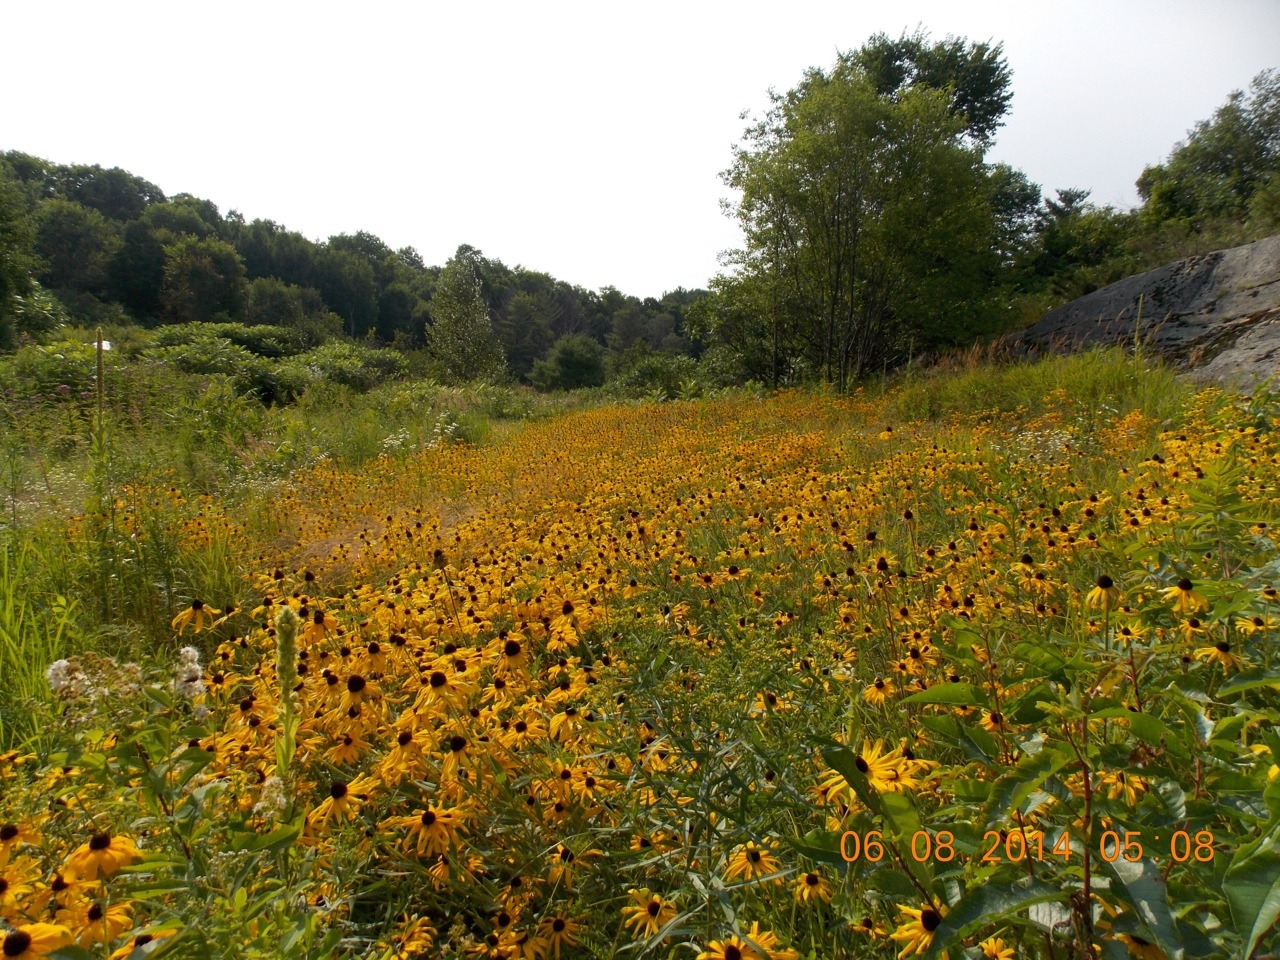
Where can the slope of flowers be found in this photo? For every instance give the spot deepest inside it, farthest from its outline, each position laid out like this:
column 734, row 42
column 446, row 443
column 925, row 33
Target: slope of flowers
column 727, row 679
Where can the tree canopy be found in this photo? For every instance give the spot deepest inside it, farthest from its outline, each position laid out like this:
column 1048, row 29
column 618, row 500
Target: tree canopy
column 869, row 223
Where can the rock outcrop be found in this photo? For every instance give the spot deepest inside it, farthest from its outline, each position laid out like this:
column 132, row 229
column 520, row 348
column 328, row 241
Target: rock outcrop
column 1216, row 315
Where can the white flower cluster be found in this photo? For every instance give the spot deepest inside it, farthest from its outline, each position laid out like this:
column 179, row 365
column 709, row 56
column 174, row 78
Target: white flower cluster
column 272, row 799
column 396, row 441
column 188, row 678
column 60, row 676
column 444, row 432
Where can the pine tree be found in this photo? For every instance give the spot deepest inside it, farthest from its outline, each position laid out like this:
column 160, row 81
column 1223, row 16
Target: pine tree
column 461, row 338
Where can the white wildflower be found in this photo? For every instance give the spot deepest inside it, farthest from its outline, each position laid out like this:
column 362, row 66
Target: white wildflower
column 59, row 675
column 189, row 676
column 272, row 799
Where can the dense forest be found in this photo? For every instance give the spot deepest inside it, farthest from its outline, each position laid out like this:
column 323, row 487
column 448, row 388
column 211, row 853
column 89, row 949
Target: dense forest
column 875, row 232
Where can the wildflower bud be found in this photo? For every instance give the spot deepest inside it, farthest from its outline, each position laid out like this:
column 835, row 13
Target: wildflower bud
column 287, row 623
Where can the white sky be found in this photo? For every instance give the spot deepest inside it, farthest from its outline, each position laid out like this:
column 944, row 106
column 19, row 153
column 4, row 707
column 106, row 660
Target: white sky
column 583, row 139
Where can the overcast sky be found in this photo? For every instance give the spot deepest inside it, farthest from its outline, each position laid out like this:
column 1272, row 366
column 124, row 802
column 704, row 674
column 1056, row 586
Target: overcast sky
column 582, row 139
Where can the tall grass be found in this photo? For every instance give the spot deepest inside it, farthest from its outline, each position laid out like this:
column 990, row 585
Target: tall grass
column 1100, row 383
column 32, row 636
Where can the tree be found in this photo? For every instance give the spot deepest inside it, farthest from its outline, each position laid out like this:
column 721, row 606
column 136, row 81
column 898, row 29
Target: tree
column 461, row 337
column 76, row 243
column 301, row 309
column 868, row 222
column 204, row 278
column 115, row 193
column 135, row 274
column 1223, row 162
column 974, row 76
column 17, row 264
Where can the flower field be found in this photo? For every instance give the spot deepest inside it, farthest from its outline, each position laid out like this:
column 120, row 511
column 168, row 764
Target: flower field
column 746, row 677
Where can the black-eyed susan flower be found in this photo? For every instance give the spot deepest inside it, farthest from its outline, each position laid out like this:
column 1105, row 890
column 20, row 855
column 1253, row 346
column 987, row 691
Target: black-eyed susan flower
column 1185, row 597
column 811, row 887
column 431, row 831
column 30, row 941
column 1221, row 654
column 92, row 921
column 648, row 913
column 194, row 616
column 994, row 948
column 414, row 938
column 101, row 856
column 1105, row 595
column 731, row 948
column 140, row 940
column 878, row 692
column 1118, row 784
column 916, row 928
column 751, row 861
column 993, row 721
column 554, row 934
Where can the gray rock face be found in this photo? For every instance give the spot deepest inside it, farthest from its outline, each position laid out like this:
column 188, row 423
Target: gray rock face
column 1216, row 315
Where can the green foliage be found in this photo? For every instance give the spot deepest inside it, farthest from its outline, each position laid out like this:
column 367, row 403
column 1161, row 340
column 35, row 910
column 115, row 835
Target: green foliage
column 1223, row 162
column 265, row 340
column 31, row 637
column 653, row 375
column 74, row 243
column 575, row 361
column 461, row 337
column 1101, row 384
column 204, row 279
column 358, row 367
column 17, row 262
column 868, row 223
column 974, row 76
column 61, row 367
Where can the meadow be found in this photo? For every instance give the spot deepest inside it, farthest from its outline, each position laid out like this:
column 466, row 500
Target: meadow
column 978, row 662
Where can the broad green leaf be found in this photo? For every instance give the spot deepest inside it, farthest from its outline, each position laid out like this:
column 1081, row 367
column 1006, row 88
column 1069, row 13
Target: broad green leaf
column 987, row 904
column 952, row 694
column 1252, row 888
column 1251, row 680
column 1012, row 789
column 1141, row 887
column 1150, row 730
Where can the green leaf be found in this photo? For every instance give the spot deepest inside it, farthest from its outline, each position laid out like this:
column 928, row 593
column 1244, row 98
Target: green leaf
column 277, row 839
column 1252, row 888
column 1142, row 888
column 1012, row 789
column 821, row 846
column 1150, row 730
column 1250, row 680
column 952, row 694
column 987, row 904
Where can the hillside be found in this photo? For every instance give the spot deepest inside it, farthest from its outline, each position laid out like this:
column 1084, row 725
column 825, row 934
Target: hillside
column 753, row 676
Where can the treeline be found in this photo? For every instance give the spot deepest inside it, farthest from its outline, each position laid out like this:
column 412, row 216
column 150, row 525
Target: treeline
column 105, row 246
column 876, row 231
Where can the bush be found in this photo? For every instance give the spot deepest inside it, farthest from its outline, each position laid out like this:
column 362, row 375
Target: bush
column 263, row 340
column 657, row 375
column 63, row 367
column 359, row 367
column 575, row 360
